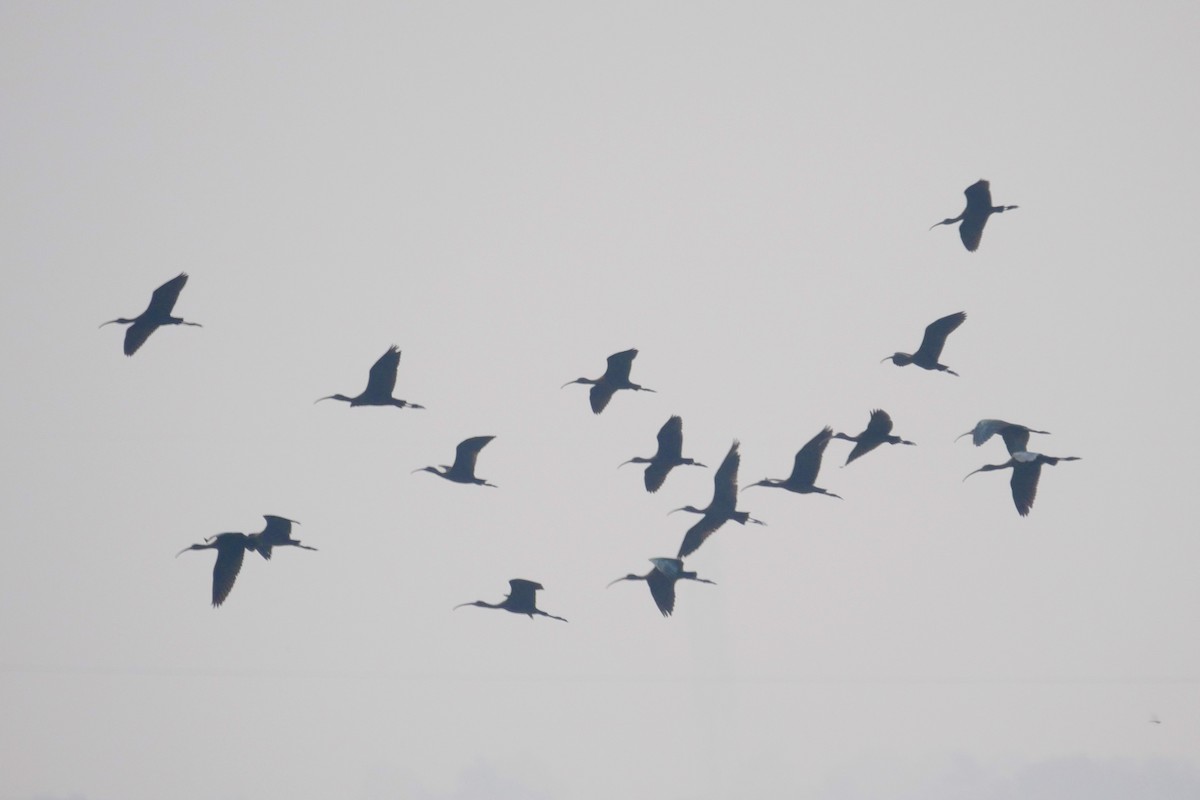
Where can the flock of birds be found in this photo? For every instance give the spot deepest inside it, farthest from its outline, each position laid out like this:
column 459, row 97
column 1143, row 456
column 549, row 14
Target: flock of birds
column 1025, row 464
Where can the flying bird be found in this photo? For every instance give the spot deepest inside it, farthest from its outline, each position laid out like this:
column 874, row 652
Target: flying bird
column 157, row 314
column 879, row 430
column 804, row 468
column 614, row 378
column 1027, row 468
column 278, row 533
column 668, row 456
column 381, row 382
column 661, row 581
column 975, row 215
column 1016, row 437
column 231, row 548
column 721, row 509
column 463, row 469
column 930, row 351
column 521, row 599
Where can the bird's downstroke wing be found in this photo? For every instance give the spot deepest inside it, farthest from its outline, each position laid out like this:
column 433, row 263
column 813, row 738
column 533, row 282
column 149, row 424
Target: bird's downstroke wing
column 1024, row 483
column 137, row 334
column 808, row 458
column 619, row 365
column 656, row 475
column 225, row 571
column 698, row 533
column 662, row 589
column 599, row 396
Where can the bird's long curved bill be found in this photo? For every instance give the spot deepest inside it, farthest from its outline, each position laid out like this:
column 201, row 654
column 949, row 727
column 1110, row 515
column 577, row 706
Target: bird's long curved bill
column 110, row 322
column 968, row 433
column 460, row 605
column 972, row 472
column 319, row 399
column 184, row 550
column 618, row 580
column 888, row 358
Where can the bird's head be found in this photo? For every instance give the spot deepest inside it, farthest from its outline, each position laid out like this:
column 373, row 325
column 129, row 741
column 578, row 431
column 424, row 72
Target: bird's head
column 629, row 577
column 899, row 359
column 341, row 397
column 193, row 547
column 577, row 380
column 121, row 320
column 692, row 509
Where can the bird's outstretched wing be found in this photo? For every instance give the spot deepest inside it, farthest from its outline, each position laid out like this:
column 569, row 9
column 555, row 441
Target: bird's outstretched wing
column 523, row 592
column 935, row 335
column 225, row 571
column 880, row 424
column 162, row 301
column 1016, row 438
column 979, row 196
column 382, row 378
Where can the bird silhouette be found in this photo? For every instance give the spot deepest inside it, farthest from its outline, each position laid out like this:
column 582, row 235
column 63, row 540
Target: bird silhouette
column 614, row 378
column 231, row 549
column 661, row 581
column 1027, row 468
column 1016, row 437
column 975, row 215
column 463, row 469
column 521, row 599
column 157, row 314
column 804, row 468
column 878, row 432
column 668, row 456
column 930, row 351
column 278, row 533
column 721, row 509
column 381, row 382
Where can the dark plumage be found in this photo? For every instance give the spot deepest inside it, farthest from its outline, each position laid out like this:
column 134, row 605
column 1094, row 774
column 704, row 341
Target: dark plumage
column 804, row 468
column 278, row 533
column 668, row 456
column 157, row 314
column 614, row 378
column 463, row 469
column 1027, row 468
column 975, row 215
column 661, row 581
column 930, row 351
column 721, row 509
column 381, row 382
column 1016, row 437
column 231, row 549
column 879, row 430
column 521, row 599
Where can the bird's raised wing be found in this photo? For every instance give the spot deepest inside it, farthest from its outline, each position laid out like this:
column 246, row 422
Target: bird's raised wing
column 619, row 365
column 880, row 424
column 523, row 593
column 725, row 484
column 382, row 378
column 162, row 301
column 936, row 333
column 226, row 569
column 468, row 451
column 808, row 458
column 979, row 196
column 670, row 439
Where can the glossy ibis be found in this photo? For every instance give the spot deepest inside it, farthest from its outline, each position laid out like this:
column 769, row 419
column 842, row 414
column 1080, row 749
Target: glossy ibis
column 975, row 215
column 879, row 431
column 930, row 351
column 721, row 509
column 463, row 469
column 521, row 599
column 668, row 456
column 614, row 378
column 1027, row 468
column 804, row 468
column 661, row 581
column 278, row 533
column 1016, row 437
column 381, row 381
column 231, row 548
column 157, row 314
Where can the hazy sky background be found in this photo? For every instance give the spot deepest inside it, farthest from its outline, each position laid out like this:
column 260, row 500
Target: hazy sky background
column 510, row 192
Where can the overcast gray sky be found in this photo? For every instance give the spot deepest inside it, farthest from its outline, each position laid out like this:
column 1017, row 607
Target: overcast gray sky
column 510, row 192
